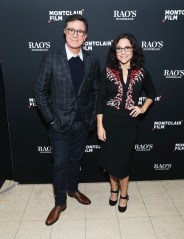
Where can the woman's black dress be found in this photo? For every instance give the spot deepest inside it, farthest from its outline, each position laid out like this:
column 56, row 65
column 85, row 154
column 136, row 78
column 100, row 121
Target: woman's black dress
column 114, row 99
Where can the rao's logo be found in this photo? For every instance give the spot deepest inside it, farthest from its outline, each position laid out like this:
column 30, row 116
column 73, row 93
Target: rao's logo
column 173, row 73
column 179, row 146
column 162, row 166
column 88, row 45
column 163, row 124
column 44, row 149
column 125, row 15
column 32, row 102
column 39, row 46
column 58, row 15
column 142, row 99
column 90, row 148
column 172, row 15
column 143, row 147
column 152, row 45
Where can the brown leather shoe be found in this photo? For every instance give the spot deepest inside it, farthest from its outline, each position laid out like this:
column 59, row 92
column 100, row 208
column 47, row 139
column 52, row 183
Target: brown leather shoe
column 54, row 214
column 81, row 198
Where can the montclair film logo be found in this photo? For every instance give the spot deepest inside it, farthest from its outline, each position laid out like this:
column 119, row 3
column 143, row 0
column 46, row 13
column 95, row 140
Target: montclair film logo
column 44, row 149
column 179, row 147
column 172, row 15
column 142, row 99
column 39, row 46
column 56, row 16
column 152, row 45
column 88, row 45
column 143, row 147
column 91, row 148
column 126, row 15
column 162, row 166
column 163, row 124
column 32, row 102
column 173, row 74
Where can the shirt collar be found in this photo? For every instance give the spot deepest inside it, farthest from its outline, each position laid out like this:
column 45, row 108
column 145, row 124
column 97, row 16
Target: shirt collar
column 69, row 54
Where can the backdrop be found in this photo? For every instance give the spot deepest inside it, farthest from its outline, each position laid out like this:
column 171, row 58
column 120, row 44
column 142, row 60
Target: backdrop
column 6, row 167
column 31, row 28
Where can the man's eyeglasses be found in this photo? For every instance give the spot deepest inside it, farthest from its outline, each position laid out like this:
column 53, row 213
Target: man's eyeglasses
column 126, row 49
column 72, row 31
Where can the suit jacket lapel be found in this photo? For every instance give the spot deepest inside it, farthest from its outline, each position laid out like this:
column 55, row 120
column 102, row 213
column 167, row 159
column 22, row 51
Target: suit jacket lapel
column 65, row 66
column 86, row 69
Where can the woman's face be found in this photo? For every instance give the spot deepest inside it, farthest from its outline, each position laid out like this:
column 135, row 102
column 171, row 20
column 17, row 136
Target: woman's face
column 124, row 52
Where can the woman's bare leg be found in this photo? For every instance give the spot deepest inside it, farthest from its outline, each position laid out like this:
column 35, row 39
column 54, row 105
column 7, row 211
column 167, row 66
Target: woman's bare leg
column 124, row 190
column 114, row 187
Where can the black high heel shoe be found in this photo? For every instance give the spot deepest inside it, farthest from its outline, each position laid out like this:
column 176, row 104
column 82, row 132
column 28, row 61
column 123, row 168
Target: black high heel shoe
column 123, row 209
column 111, row 202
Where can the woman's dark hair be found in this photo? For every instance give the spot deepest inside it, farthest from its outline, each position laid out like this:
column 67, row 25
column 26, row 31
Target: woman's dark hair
column 77, row 17
column 137, row 60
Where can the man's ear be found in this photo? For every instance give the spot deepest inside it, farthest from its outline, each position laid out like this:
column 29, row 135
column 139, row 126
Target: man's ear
column 85, row 37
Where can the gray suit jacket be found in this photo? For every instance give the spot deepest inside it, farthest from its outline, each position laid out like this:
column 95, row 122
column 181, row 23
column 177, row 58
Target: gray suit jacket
column 55, row 93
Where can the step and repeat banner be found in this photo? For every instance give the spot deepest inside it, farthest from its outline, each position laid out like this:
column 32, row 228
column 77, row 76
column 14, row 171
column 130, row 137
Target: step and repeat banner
column 30, row 29
column 6, row 167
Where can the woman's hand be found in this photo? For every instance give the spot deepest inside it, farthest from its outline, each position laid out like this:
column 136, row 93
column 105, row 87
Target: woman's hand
column 101, row 133
column 136, row 110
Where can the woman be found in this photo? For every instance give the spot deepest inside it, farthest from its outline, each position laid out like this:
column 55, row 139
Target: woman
column 122, row 81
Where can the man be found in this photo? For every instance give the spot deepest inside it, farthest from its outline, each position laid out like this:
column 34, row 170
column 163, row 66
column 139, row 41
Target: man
column 66, row 94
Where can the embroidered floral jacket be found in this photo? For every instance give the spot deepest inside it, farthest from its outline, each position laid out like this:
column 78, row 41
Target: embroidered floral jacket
column 115, row 93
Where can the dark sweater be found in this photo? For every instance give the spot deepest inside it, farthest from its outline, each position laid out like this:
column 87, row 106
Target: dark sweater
column 77, row 74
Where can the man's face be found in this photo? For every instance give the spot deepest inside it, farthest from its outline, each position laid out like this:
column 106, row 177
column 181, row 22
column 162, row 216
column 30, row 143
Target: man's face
column 75, row 35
